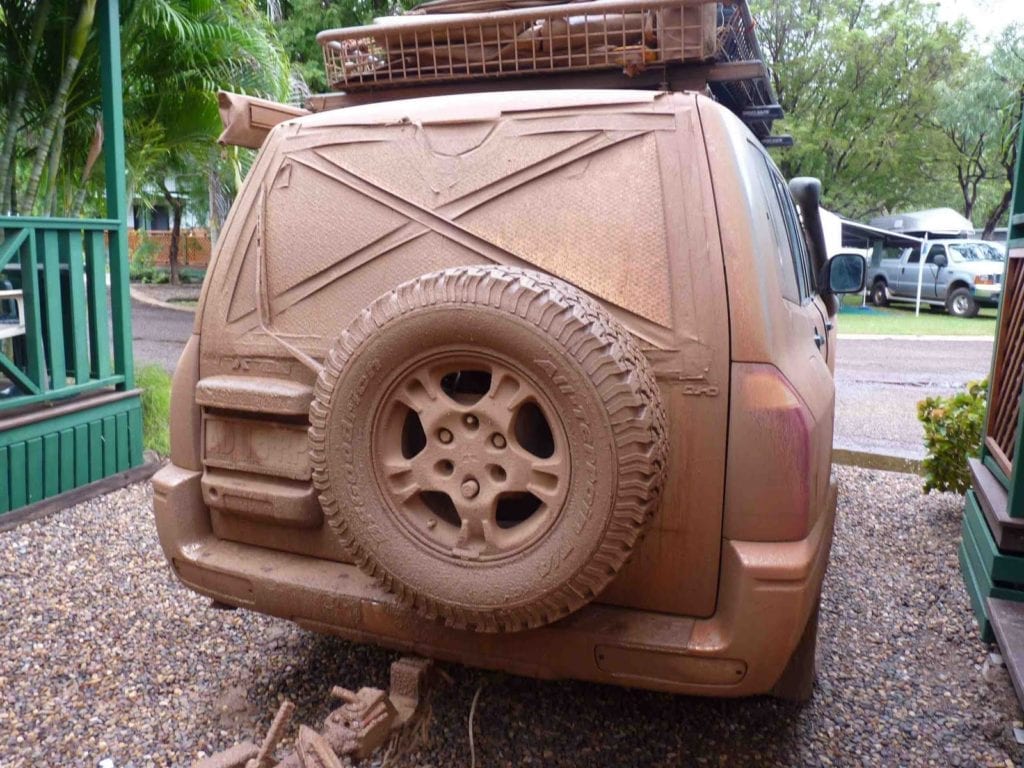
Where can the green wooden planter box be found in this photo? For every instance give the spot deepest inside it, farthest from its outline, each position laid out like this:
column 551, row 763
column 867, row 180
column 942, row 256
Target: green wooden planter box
column 987, row 572
column 85, row 442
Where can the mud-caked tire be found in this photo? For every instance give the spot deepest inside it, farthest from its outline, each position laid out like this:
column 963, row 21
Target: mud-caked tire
column 489, row 444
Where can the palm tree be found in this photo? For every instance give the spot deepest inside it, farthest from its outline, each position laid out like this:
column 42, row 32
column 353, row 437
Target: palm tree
column 186, row 51
column 176, row 55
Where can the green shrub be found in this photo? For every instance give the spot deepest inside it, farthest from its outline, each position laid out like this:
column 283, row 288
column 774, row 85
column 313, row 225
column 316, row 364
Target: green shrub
column 192, row 274
column 953, row 429
column 162, row 276
column 155, row 384
column 141, row 268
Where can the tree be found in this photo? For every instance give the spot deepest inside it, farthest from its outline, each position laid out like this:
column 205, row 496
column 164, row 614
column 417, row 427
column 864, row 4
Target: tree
column 50, row 140
column 299, row 22
column 856, row 81
column 176, row 55
column 979, row 114
column 190, row 51
column 39, row 15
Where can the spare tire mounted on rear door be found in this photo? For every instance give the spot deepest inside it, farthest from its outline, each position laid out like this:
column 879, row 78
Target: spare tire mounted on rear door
column 488, row 443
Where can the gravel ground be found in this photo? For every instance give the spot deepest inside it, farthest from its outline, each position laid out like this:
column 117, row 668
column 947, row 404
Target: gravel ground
column 104, row 655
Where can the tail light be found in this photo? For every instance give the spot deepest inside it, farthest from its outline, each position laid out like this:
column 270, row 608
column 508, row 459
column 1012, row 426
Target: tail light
column 770, row 472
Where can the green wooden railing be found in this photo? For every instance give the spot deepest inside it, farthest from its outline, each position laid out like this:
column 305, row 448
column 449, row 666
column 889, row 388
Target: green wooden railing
column 65, row 330
column 70, row 346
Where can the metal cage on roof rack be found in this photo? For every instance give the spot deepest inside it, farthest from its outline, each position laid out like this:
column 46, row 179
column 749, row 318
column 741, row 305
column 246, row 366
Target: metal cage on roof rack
column 605, row 34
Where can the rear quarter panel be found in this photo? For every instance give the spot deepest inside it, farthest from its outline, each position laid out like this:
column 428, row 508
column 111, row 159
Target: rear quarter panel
column 767, row 331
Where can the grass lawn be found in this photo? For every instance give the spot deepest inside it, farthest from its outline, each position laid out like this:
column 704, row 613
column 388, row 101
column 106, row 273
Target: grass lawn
column 899, row 320
column 155, row 384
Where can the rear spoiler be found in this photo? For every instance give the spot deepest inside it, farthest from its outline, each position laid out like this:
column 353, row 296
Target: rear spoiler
column 247, row 120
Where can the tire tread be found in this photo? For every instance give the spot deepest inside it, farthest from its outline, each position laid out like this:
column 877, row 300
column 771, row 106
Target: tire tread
column 620, row 374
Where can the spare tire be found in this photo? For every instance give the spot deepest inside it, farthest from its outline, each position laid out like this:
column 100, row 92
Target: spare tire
column 488, row 443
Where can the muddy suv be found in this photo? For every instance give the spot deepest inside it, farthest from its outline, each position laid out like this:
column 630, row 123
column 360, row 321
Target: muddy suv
column 534, row 381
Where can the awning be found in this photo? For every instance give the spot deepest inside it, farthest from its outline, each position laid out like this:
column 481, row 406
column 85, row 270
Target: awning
column 857, row 235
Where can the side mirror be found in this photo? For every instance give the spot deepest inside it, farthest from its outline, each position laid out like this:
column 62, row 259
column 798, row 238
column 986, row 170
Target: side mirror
column 940, row 261
column 806, row 192
column 845, row 273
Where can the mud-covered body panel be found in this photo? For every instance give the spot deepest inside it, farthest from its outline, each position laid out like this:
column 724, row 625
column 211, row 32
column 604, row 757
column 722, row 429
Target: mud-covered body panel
column 610, row 196
column 638, row 199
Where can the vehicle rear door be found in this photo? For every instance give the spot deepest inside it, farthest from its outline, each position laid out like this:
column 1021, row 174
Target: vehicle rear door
column 806, row 356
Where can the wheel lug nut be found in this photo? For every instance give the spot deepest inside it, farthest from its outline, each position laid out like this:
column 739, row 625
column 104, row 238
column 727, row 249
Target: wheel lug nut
column 498, row 441
column 470, row 489
column 444, row 436
column 471, row 421
column 431, row 524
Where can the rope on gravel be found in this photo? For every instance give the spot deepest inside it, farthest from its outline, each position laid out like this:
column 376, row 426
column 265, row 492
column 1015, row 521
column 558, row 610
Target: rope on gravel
column 472, row 712
column 390, row 749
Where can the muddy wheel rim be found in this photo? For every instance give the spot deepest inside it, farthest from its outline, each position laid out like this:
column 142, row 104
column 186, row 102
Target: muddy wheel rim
column 471, row 456
column 960, row 305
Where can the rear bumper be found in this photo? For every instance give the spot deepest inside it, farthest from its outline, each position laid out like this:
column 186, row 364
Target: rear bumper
column 766, row 594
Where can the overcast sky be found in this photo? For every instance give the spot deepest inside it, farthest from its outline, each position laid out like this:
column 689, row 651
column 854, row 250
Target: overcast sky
column 989, row 17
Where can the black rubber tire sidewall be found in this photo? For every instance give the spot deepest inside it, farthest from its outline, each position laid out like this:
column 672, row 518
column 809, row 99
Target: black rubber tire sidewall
column 972, row 305
column 878, row 297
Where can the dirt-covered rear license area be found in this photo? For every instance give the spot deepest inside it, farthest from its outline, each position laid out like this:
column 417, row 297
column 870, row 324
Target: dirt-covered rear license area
column 104, row 655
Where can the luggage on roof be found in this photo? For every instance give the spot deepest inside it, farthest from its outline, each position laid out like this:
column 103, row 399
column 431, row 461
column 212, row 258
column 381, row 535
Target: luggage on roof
column 450, row 40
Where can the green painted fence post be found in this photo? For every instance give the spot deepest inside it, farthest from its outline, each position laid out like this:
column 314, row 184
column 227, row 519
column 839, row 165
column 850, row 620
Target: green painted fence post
column 1014, row 240
column 117, row 207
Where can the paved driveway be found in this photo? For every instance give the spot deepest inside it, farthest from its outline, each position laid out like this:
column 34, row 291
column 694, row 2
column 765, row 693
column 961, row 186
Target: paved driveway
column 159, row 334
column 880, row 381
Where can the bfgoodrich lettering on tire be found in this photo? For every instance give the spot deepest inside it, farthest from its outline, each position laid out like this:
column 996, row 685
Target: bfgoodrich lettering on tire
column 489, row 444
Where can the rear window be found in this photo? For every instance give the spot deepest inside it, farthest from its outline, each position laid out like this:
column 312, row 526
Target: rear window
column 794, row 230
column 784, row 225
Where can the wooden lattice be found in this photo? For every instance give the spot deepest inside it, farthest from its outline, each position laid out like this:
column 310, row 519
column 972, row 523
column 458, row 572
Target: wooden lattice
column 1008, row 372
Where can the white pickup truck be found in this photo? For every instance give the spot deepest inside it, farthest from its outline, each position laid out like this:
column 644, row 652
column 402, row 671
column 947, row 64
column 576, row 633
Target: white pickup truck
column 960, row 275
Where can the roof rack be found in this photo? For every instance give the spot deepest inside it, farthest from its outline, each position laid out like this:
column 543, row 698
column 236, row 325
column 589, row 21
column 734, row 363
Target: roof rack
column 629, row 35
column 458, row 46
column 752, row 98
column 661, row 50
